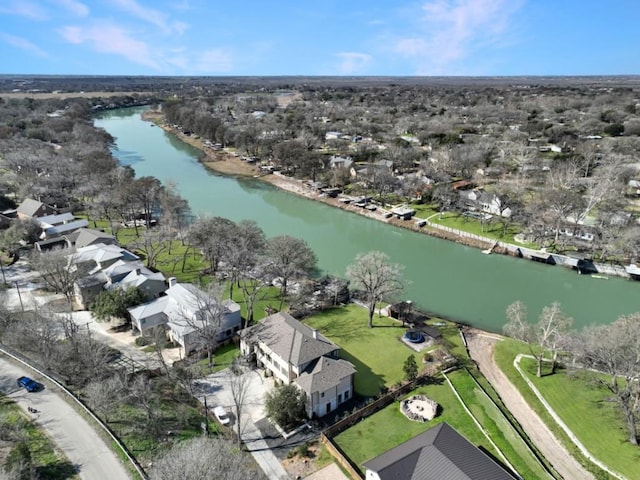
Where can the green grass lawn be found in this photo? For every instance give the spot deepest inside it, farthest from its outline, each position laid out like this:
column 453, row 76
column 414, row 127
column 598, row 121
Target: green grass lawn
column 377, row 353
column 498, row 428
column 389, row 428
column 575, row 398
column 582, row 406
column 47, row 463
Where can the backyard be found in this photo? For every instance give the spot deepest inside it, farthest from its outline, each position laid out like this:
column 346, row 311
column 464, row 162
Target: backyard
column 389, row 428
column 377, row 353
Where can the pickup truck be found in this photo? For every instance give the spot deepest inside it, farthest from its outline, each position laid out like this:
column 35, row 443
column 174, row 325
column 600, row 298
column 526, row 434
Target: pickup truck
column 29, row 385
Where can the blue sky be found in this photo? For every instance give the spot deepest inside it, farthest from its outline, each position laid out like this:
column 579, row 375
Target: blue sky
column 320, row 37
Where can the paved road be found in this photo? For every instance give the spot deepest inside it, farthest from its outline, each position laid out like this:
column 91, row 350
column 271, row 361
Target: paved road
column 481, row 349
column 71, row 433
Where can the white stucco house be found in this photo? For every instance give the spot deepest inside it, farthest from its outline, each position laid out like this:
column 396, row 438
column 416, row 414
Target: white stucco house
column 294, row 353
column 185, row 310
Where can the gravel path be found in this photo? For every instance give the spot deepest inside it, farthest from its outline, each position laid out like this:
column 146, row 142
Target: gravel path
column 481, row 350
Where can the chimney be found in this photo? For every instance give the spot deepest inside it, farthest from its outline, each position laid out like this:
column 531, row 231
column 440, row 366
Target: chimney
column 172, row 281
column 138, row 271
column 314, row 332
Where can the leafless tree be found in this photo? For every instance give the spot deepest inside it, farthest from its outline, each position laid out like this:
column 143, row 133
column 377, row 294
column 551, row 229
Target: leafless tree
column 546, row 335
column 372, row 273
column 204, row 315
column 288, row 258
column 152, row 244
column 58, row 271
column 105, row 394
column 239, row 387
column 204, row 457
column 614, row 350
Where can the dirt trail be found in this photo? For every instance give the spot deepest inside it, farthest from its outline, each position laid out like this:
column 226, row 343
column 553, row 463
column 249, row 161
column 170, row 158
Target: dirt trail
column 481, row 350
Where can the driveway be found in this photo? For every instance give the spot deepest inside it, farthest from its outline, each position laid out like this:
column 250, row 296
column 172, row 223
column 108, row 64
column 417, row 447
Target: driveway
column 216, row 389
column 69, row 431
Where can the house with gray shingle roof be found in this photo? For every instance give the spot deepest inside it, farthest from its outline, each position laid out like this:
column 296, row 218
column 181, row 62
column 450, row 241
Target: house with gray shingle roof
column 31, row 208
column 439, row 453
column 294, row 353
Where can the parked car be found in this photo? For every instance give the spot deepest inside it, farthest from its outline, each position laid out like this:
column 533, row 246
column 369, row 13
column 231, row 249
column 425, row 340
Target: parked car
column 29, row 385
column 221, row 415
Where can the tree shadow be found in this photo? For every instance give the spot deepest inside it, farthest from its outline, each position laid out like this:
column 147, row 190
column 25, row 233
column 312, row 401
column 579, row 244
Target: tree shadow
column 366, row 383
column 58, row 470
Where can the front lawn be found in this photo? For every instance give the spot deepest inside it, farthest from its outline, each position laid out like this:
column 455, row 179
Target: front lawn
column 389, row 428
column 377, row 353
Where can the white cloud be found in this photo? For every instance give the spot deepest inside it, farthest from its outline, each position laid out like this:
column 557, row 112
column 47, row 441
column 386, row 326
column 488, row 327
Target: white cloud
column 24, row 8
column 353, row 63
column 150, row 15
column 112, row 39
column 450, row 31
column 23, row 44
column 215, row 60
column 73, row 6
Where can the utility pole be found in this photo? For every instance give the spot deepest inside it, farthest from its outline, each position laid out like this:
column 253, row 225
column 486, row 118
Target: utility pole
column 20, row 297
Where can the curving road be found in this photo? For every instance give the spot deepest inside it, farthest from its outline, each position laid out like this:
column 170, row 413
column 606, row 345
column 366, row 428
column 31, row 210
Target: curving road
column 70, row 432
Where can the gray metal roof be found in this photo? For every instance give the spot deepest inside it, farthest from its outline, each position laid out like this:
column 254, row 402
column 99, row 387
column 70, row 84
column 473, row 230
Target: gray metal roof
column 437, row 454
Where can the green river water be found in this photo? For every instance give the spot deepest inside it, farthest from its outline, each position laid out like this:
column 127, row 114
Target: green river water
column 445, row 278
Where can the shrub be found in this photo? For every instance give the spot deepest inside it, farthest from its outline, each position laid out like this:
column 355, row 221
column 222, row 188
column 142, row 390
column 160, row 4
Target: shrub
column 143, row 341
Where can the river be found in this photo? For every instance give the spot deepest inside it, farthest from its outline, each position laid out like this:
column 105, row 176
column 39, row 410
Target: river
column 445, row 278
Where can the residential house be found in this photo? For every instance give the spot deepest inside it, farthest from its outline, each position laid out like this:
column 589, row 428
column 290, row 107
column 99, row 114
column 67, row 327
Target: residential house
column 185, row 310
column 55, row 220
column 337, row 161
column 479, row 199
column 94, row 259
column 84, row 237
column 436, row 454
column 294, row 353
column 126, row 275
column 63, row 228
column 31, row 208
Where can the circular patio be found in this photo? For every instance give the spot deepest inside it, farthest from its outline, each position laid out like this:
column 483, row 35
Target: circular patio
column 419, row 408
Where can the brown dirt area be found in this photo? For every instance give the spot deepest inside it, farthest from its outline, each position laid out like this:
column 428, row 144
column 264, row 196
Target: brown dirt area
column 481, row 345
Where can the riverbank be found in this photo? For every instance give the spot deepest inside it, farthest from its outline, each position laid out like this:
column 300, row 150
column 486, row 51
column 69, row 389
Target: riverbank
column 229, row 163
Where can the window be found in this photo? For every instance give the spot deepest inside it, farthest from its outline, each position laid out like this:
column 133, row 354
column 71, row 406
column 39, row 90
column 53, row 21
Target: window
column 322, row 395
column 346, row 395
column 228, row 333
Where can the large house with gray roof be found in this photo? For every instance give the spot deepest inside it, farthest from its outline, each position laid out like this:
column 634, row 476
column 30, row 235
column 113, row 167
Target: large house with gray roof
column 437, row 454
column 294, row 353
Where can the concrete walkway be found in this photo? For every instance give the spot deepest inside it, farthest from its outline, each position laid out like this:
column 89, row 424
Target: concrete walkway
column 216, row 389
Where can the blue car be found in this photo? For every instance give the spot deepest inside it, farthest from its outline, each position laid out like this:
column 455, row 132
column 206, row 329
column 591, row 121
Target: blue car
column 29, row 385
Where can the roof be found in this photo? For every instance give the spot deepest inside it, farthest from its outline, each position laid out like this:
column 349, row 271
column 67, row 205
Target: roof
column 325, row 373
column 440, row 452
column 66, row 227
column 290, row 339
column 30, row 207
column 87, row 236
column 56, row 219
column 137, row 278
column 101, row 253
column 181, row 300
column 149, row 309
